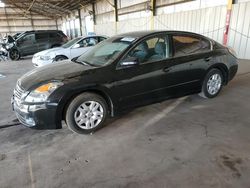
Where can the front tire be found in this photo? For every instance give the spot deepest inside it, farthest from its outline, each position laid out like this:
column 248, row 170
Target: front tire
column 14, row 55
column 60, row 58
column 212, row 84
column 86, row 113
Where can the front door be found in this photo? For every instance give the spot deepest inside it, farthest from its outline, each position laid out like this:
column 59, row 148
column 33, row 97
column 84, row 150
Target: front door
column 27, row 44
column 153, row 79
column 82, row 46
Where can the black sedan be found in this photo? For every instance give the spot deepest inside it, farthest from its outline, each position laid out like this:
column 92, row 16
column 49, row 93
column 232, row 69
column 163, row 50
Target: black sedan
column 121, row 73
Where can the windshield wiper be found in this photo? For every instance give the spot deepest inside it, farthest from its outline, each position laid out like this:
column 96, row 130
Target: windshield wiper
column 83, row 62
column 75, row 60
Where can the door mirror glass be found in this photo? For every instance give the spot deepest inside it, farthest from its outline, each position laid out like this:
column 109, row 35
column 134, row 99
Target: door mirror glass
column 129, row 62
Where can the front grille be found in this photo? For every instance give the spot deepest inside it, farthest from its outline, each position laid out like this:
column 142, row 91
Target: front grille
column 18, row 91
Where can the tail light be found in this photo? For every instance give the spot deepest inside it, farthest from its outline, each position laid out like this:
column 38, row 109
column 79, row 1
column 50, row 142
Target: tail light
column 232, row 51
column 65, row 39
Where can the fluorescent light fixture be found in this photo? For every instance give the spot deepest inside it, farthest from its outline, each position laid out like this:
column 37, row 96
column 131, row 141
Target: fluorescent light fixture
column 2, row 4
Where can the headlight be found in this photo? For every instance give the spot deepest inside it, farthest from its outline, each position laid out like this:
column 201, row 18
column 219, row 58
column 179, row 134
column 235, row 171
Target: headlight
column 2, row 49
column 45, row 58
column 42, row 93
column 8, row 46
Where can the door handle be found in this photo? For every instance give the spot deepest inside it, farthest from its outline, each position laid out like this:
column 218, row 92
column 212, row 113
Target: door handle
column 207, row 58
column 167, row 69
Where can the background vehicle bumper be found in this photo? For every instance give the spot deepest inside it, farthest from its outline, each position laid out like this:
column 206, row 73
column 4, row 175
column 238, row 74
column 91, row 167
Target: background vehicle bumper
column 38, row 116
column 39, row 63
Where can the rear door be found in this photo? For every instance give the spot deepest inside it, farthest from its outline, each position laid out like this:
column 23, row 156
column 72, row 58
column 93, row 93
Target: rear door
column 192, row 54
column 42, row 41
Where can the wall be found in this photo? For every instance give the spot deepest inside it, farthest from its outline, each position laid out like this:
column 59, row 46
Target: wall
column 207, row 17
column 239, row 33
column 13, row 20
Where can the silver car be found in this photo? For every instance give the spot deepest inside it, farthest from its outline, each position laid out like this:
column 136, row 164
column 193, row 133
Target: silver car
column 69, row 50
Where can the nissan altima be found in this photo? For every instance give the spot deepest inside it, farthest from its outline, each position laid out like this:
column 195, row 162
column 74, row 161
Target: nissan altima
column 119, row 74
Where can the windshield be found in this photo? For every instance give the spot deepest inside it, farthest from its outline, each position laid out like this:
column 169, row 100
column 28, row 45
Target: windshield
column 71, row 42
column 106, row 51
column 20, row 35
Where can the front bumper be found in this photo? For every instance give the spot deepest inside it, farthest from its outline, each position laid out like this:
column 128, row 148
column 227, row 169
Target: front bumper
column 37, row 62
column 38, row 116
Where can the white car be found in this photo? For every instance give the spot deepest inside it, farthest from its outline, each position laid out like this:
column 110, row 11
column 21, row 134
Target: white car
column 69, row 50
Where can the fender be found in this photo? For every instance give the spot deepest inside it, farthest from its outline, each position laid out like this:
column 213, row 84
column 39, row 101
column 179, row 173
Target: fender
column 223, row 68
column 71, row 94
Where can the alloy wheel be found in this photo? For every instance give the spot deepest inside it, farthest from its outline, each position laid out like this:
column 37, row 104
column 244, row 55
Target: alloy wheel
column 88, row 115
column 214, row 84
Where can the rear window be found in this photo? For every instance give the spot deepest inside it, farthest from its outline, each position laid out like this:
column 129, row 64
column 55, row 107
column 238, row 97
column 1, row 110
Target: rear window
column 186, row 45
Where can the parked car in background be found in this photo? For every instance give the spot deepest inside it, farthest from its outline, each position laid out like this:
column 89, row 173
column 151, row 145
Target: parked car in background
column 31, row 42
column 119, row 74
column 69, row 50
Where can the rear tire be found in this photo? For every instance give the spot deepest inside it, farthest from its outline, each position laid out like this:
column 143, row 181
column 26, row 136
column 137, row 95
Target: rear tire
column 86, row 113
column 212, row 84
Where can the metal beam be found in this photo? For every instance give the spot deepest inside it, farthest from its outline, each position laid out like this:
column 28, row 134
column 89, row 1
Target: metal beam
column 31, row 21
column 113, row 5
column 153, row 3
column 80, row 20
column 93, row 10
column 31, row 5
column 7, row 20
column 116, row 10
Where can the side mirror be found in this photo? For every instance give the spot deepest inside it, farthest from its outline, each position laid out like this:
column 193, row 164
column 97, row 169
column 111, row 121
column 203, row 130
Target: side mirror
column 10, row 39
column 75, row 59
column 76, row 46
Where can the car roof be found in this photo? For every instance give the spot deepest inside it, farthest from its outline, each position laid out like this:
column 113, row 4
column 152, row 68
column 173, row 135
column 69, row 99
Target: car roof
column 140, row 34
column 41, row 31
column 88, row 36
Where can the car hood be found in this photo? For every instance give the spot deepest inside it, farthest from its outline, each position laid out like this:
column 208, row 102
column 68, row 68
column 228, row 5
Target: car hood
column 56, row 71
column 49, row 51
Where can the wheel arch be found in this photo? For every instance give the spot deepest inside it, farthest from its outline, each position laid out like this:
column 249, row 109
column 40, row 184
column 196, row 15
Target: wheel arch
column 224, row 70
column 64, row 56
column 66, row 101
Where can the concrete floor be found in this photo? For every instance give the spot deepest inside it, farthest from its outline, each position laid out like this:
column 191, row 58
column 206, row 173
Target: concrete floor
column 187, row 142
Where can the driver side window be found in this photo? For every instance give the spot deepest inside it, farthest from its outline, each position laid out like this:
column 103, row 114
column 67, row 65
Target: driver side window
column 150, row 50
column 30, row 38
column 88, row 42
